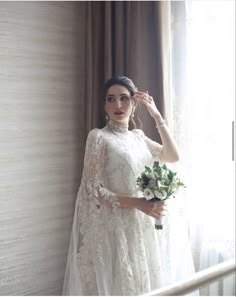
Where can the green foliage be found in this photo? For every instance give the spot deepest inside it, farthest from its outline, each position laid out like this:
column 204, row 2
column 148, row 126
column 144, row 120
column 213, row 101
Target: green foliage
column 148, row 169
column 145, row 179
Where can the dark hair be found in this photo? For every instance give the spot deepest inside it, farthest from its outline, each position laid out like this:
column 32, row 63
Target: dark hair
column 119, row 80
column 130, row 86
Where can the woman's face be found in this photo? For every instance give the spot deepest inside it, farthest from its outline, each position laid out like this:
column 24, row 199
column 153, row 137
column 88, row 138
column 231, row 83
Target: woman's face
column 119, row 104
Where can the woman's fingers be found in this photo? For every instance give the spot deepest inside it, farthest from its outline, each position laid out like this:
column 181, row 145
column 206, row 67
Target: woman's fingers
column 143, row 97
column 147, row 100
column 157, row 209
column 153, row 209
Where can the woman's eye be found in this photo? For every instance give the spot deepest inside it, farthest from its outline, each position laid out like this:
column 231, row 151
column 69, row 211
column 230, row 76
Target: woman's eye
column 110, row 99
column 124, row 98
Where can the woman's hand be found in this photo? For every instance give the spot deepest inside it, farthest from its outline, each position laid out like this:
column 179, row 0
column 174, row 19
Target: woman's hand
column 153, row 209
column 150, row 208
column 144, row 98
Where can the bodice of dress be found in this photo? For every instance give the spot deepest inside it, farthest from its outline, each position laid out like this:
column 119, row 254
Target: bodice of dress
column 126, row 154
column 114, row 157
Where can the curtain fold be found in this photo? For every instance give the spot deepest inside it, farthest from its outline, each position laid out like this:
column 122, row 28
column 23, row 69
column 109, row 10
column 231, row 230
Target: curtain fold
column 164, row 25
column 94, row 63
column 127, row 38
column 203, row 39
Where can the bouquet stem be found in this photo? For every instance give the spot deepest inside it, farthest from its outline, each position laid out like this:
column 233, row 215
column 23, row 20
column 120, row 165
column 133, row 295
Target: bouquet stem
column 158, row 224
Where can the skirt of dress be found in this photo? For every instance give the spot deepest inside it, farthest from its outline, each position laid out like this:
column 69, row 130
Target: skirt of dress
column 119, row 252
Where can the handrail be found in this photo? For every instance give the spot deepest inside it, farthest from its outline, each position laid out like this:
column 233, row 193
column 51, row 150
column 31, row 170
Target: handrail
column 198, row 280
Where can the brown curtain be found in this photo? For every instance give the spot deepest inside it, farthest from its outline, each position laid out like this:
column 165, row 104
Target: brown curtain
column 127, row 38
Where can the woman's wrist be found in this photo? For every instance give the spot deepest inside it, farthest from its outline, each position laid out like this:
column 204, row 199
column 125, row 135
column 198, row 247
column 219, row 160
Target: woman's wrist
column 126, row 201
column 140, row 203
column 157, row 116
column 160, row 122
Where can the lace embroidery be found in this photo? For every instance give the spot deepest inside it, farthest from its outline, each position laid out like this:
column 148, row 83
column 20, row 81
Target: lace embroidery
column 93, row 175
column 116, row 127
column 154, row 147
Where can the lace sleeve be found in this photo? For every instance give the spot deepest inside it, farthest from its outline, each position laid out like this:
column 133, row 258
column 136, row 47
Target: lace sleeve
column 154, row 147
column 93, row 173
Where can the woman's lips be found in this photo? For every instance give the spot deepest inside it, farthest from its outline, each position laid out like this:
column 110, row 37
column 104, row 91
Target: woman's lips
column 118, row 113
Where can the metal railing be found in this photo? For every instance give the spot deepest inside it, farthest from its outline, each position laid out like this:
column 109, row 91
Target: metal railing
column 198, row 280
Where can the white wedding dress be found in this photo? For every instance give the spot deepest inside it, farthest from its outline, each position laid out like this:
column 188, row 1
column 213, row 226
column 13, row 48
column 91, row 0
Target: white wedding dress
column 115, row 251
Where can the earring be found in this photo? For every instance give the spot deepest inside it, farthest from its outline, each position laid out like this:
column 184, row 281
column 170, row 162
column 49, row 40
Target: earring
column 107, row 117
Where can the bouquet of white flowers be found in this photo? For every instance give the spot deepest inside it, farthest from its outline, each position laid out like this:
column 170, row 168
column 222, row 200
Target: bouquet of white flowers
column 158, row 184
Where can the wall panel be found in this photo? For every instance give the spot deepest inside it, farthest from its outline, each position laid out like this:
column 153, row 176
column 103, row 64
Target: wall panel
column 41, row 141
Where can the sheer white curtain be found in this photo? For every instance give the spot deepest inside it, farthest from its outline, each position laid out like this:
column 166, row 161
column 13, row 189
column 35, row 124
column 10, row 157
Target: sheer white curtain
column 204, row 97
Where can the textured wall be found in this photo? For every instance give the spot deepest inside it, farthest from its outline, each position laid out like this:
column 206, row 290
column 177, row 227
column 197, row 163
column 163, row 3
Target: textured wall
column 41, row 141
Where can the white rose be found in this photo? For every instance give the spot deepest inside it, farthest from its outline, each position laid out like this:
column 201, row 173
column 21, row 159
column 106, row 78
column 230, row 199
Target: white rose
column 160, row 194
column 148, row 194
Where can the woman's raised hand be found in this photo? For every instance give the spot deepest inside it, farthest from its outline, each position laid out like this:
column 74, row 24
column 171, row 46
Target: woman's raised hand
column 147, row 100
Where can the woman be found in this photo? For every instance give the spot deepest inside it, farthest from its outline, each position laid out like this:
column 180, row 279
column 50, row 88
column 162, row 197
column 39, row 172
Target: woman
column 114, row 247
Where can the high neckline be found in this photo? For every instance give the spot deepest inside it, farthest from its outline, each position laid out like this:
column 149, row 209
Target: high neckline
column 118, row 127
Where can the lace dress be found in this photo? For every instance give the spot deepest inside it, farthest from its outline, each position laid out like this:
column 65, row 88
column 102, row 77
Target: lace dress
column 117, row 251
